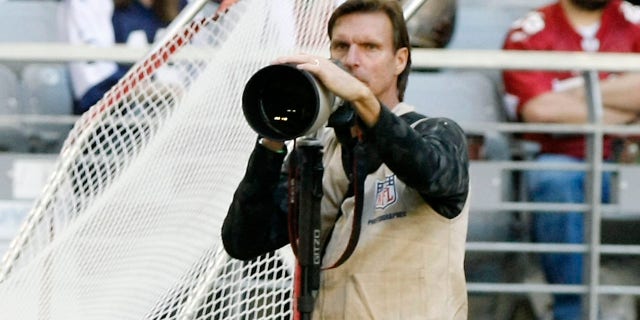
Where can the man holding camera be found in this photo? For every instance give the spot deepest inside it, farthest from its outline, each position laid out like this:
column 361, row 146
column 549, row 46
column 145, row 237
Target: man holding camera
column 394, row 207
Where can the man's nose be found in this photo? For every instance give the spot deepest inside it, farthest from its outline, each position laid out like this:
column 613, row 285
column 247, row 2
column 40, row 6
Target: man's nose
column 352, row 57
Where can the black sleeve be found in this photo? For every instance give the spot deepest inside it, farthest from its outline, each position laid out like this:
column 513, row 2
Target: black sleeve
column 97, row 91
column 256, row 222
column 431, row 158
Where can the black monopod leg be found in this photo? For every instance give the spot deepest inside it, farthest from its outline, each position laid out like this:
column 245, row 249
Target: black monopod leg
column 310, row 193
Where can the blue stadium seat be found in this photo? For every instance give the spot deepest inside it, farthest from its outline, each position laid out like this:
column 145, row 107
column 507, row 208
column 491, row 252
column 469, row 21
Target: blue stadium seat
column 46, row 90
column 12, row 137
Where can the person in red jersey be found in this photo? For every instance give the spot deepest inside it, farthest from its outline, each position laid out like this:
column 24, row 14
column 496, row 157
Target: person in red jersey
column 560, row 97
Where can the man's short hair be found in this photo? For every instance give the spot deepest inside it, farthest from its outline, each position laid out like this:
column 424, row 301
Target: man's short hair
column 393, row 10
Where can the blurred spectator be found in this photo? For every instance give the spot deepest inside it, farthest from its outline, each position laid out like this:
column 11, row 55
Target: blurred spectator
column 103, row 23
column 560, row 97
column 89, row 23
column 136, row 23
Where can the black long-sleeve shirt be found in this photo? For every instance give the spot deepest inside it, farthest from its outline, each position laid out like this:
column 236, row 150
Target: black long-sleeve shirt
column 431, row 158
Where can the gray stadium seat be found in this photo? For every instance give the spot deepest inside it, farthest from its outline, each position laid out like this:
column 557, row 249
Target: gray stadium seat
column 12, row 137
column 461, row 95
column 472, row 97
column 45, row 90
column 464, row 96
column 35, row 20
column 28, row 21
column 481, row 24
column 8, row 91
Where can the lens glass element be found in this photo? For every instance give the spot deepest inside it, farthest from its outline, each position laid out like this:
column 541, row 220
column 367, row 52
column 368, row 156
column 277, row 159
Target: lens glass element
column 281, row 102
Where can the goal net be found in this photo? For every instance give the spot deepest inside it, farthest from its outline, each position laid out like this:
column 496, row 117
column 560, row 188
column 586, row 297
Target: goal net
column 128, row 226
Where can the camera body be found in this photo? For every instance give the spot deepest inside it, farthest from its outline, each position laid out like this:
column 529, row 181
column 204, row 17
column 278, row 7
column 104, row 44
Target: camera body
column 282, row 102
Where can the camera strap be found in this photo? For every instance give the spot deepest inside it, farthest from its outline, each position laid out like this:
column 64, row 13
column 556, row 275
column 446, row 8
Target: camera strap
column 357, row 185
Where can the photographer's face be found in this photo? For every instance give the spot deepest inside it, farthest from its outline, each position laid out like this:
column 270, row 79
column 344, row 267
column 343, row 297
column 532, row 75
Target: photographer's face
column 363, row 43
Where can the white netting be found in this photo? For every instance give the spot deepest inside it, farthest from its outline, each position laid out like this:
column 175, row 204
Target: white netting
column 129, row 225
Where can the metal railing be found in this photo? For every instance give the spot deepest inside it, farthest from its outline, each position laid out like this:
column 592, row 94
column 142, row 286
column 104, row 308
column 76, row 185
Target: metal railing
column 588, row 63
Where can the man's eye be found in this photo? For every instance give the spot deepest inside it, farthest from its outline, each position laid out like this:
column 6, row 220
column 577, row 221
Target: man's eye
column 340, row 46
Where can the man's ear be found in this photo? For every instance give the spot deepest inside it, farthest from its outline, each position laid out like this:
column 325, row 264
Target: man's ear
column 402, row 55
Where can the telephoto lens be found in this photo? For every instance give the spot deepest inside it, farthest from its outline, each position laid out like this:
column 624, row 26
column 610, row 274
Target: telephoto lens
column 281, row 102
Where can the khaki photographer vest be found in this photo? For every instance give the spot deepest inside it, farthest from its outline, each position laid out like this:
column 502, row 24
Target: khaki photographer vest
column 409, row 260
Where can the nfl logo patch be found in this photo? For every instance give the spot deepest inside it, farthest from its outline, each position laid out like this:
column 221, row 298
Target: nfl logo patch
column 386, row 192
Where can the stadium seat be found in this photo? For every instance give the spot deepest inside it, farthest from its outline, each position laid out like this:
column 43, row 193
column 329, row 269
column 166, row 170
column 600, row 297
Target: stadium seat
column 619, row 227
column 474, row 98
column 46, row 91
column 471, row 97
column 8, row 91
column 35, row 21
column 464, row 96
column 41, row 17
column 28, row 21
column 482, row 25
column 12, row 137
